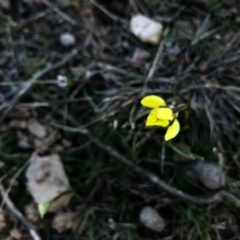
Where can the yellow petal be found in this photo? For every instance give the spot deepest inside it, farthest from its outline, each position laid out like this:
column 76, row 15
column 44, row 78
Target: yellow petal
column 155, row 122
column 153, row 101
column 165, row 114
column 152, row 117
column 162, row 123
column 172, row 130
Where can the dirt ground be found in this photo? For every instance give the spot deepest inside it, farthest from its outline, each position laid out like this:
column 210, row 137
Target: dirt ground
column 73, row 139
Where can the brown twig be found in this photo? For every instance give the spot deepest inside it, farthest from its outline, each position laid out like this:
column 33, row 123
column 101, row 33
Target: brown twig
column 27, row 86
column 54, row 102
column 216, row 197
column 18, row 214
column 156, row 59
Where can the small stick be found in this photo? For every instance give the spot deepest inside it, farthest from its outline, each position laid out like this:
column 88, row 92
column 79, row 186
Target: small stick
column 108, row 13
column 156, row 59
column 160, row 49
column 54, row 102
column 61, row 13
column 34, row 18
column 65, row 16
column 18, row 214
column 13, row 180
column 216, row 197
column 221, row 158
column 163, row 155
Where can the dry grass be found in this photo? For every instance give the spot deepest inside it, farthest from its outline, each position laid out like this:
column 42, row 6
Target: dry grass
column 197, row 64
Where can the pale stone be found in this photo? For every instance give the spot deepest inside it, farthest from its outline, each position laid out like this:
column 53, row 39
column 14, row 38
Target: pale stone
column 67, row 39
column 209, row 175
column 150, row 218
column 146, row 29
column 37, row 128
column 47, row 181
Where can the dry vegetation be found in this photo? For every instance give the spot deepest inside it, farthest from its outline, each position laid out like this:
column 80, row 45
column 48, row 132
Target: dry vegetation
column 94, row 121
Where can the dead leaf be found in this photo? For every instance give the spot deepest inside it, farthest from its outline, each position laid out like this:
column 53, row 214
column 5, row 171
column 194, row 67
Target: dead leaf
column 31, row 212
column 44, row 144
column 16, row 234
column 18, row 124
column 64, row 221
column 39, row 145
column 78, row 70
column 47, row 179
column 61, row 201
column 203, row 66
column 3, row 223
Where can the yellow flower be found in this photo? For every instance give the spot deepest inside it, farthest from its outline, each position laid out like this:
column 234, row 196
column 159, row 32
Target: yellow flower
column 161, row 115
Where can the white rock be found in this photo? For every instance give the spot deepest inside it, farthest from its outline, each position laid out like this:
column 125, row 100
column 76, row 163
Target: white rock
column 150, row 218
column 47, row 178
column 146, row 29
column 37, row 128
column 67, row 39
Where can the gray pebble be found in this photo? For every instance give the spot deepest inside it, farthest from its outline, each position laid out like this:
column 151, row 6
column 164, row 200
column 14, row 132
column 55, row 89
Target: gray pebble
column 208, row 174
column 150, row 218
column 67, row 39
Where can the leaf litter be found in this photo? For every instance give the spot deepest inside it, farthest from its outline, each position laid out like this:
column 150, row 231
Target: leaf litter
column 197, row 64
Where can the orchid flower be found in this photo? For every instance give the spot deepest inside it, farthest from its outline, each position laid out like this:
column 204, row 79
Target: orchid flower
column 161, row 115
